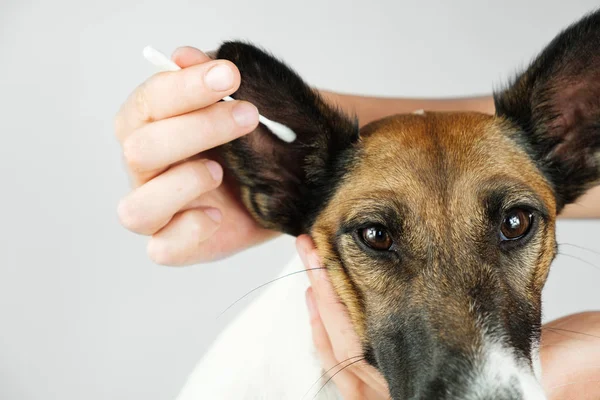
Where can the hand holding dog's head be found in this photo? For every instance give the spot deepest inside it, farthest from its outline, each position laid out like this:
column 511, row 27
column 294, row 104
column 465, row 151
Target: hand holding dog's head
column 437, row 230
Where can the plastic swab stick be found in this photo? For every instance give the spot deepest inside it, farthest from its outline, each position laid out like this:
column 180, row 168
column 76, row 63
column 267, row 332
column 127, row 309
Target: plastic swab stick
column 166, row 64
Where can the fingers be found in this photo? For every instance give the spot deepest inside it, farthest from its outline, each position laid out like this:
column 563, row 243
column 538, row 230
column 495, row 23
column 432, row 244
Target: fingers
column 345, row 374
column 155, row 146
column 344, row 341
column 187, row 56
column 333, row 313
column 570, row 357
column 177, row 243
column 167, row 94
column 345, row 381
column 237, row 231
column 164, row 126
column 151, row 206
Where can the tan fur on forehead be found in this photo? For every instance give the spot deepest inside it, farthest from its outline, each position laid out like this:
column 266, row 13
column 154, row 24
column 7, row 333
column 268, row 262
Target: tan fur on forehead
column 436, row 164
column 465, row 142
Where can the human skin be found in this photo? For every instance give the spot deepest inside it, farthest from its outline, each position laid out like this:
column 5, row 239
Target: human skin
column 190, row 211
column 180, row 197
column 168, row 128
column 569, row 350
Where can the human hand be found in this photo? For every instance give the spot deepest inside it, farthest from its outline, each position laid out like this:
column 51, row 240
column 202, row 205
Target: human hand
column 570, row 354
column 167, row 128
column 334, row 337
column 569, row 350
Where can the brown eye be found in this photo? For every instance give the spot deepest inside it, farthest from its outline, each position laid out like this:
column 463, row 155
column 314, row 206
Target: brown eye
column 376, row 237
column 516, row 224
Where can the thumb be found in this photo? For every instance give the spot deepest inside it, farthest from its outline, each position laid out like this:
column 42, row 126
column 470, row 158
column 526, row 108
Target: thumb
column 187, row 56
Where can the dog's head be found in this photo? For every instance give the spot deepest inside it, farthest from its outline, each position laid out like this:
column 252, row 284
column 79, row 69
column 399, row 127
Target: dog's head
column 437, row 230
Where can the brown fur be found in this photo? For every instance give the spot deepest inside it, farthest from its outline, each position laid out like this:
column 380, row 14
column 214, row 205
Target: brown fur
column 437, row 164
column 441, row 185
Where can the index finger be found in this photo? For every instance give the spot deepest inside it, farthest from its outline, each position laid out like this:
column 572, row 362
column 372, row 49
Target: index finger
column 173, row 93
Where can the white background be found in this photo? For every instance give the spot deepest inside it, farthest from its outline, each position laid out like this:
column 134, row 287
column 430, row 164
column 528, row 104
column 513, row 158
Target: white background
column 83, row 313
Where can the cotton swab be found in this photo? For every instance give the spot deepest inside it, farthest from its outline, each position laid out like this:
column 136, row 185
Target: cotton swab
column 163, row 62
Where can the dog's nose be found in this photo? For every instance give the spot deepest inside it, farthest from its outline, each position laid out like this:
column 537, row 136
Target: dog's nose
column 442, row 390
column 516, row 388
column 497, row 374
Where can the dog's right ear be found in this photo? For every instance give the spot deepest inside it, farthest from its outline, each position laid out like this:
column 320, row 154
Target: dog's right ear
column 284, row 185
column 555, row 104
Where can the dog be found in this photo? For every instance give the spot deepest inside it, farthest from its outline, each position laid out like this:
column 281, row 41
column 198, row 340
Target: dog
column 437, row 230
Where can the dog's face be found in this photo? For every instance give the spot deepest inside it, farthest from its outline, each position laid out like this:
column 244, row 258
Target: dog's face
column 437, row 229
column 439, row 241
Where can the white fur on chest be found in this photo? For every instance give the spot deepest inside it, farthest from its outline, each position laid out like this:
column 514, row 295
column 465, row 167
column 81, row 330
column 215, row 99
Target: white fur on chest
column 266, row 353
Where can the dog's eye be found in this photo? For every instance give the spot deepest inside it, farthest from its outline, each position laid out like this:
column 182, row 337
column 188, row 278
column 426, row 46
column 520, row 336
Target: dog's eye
column 376, row 237
column 516, row 224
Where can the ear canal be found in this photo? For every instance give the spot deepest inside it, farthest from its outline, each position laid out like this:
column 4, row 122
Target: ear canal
column 555, row 104
column 284, row 185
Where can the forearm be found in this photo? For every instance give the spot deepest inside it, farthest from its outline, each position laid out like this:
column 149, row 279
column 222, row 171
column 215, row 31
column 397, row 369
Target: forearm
column 369, row 109
column 587, row 206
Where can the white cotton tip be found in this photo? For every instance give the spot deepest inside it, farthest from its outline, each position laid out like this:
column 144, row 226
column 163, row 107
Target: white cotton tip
column 281, row 131
column 159, row 59
column 166, row 64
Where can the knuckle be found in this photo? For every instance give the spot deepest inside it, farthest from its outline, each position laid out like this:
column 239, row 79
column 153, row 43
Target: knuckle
column 142, row 104
column 119, row 126
column 128, row 216
column 160, row 252
column 189, row 175
column 180, row 83
column 132, row 154
column 199, row 176
column 135, row 219
column 195, row 227
column 214, row 121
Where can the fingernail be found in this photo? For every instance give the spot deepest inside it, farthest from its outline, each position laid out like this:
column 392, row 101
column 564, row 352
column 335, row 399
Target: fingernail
column 245, row 114
column 313, row 311
column 215, row 170
column 214, row 214
column 178, row 51
column 219, row 78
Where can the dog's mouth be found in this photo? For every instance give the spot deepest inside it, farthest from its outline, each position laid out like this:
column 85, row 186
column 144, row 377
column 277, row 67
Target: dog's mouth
column 493, row 372
column 483, row 353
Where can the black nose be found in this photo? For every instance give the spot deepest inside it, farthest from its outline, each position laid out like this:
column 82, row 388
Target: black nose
column 493, row 374
column 447, row 388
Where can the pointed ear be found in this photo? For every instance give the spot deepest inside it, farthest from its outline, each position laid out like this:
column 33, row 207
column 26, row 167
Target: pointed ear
column 284, row 185
column 556, row 105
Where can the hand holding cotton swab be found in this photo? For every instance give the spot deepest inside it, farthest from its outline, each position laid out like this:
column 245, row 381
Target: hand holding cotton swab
column 163, row 62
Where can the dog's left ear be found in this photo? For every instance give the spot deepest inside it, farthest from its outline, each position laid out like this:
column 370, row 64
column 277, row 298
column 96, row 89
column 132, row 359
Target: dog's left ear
column 556, row 105
column 284, row 185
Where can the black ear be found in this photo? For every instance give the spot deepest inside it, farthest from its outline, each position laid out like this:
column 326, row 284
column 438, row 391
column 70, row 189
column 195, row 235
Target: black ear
column 556, row 104
column 284, row 185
